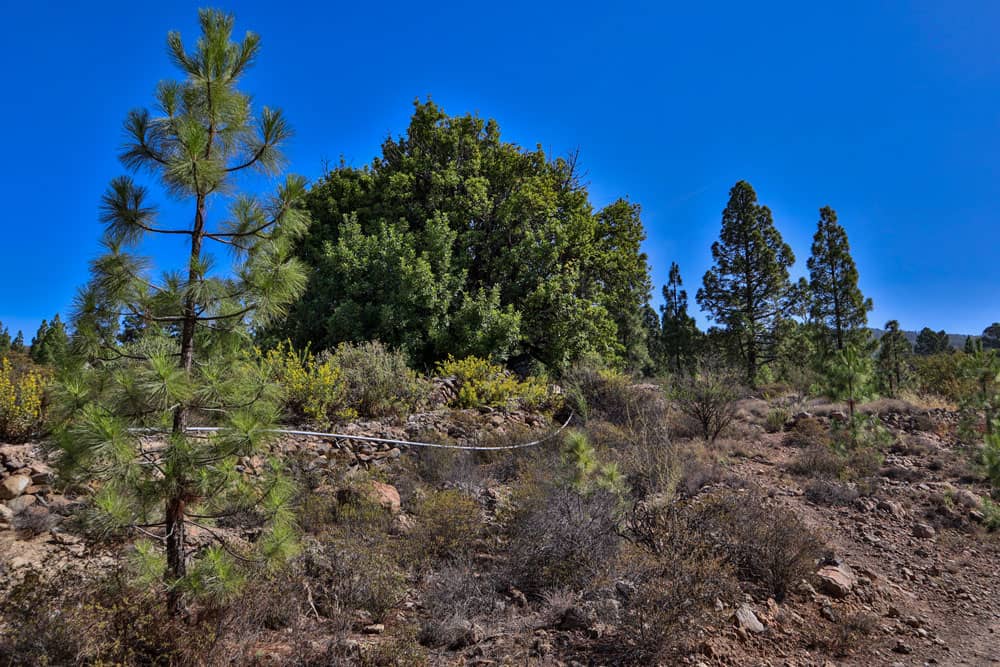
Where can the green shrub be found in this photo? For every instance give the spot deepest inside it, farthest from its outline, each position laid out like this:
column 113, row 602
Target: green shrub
column 449, row 524
column 366, row 380
column 942, row 375
column 484, row 384
column 776, row 420
column 378, row 381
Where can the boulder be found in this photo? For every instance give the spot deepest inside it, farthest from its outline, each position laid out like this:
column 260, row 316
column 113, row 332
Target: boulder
column 14, row 486
column 837, row 580
column 923, row 531
column 385, row 495
column 747, row 619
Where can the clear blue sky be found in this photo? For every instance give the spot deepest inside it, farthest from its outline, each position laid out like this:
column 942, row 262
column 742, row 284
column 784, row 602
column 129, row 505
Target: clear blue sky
column 887, row 111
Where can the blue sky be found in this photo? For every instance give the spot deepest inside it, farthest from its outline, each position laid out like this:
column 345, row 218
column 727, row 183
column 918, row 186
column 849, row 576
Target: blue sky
column 887, row 111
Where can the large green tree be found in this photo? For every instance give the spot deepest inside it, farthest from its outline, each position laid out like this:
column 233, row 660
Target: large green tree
column 748, row 290
column 190, row 367
column 836, row 301
column 931, row 342
column 454, row 241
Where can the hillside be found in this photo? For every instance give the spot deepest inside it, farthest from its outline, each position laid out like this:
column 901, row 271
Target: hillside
column 415, row 556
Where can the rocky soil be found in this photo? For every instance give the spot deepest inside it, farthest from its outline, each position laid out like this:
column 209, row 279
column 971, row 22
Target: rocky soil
column 908, row 560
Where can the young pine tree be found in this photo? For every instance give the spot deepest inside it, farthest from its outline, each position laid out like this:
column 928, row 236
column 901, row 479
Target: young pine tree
column 836, row 301
column 892, row 366
column 748, row 289
column 17, row 345
column 678, row 329
column 191, row 367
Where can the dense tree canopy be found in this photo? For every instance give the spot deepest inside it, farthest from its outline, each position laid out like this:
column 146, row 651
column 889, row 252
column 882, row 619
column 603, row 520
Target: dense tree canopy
column 931, row 342
column 891, row 366
column 454, row 241
column 748, row 290
column 991, row 337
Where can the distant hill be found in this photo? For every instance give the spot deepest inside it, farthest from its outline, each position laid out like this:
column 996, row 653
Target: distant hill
column 957, row 341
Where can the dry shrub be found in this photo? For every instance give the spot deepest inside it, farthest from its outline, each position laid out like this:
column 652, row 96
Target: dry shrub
column 850, row 631
column 355, row 572
column 824, row 492
column 768, row 545
column 598, row 394
column 807, row 432
column 677, row 577
column 70, row 620
column 708, row 399
column 456, row 597
column 33, row 521
column 449, row 526
column 558, row 537
column 818, row 461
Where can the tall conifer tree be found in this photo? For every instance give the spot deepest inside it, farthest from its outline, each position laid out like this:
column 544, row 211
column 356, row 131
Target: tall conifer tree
column 837, row 303
column 678, row 328
column 748, row 290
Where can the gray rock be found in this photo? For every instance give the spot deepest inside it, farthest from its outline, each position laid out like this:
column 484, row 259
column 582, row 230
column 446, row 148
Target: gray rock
column 923, row 531
column 21, row 503
column 746, row 619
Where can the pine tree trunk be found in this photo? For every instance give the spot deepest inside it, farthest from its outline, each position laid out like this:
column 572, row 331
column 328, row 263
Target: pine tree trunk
column 175, row 506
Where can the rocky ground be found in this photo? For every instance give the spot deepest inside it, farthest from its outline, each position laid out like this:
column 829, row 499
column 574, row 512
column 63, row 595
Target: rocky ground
column 910, row 576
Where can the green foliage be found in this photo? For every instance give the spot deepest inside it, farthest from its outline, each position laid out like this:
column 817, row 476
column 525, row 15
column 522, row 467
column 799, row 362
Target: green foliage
column 50, row 344
column 455, row 242
column 941, row 375
column 378, row 381
column 748, row 290
column 679, row 333
column 313, row 390
column 450, row 523
column 836, row 302
column 22, row 401
column 586, row 472
column 483, row 384
column 930, row 342
column 892, row 360
column 849, row 377
column 189, row 362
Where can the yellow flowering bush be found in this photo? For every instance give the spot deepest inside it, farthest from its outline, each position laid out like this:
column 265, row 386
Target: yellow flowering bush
column 481, row 383
column 314, row 389
column 21, row 401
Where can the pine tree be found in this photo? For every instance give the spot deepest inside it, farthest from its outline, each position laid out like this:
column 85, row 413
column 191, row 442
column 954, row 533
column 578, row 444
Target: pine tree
column 748, row 289
column 891, row 361
column 970, row 345
column 17, row 345
column 836, row 301
column 931, row 342
column 678, row 328
column 4, row 338
column 51, row 343
column 194, row 367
